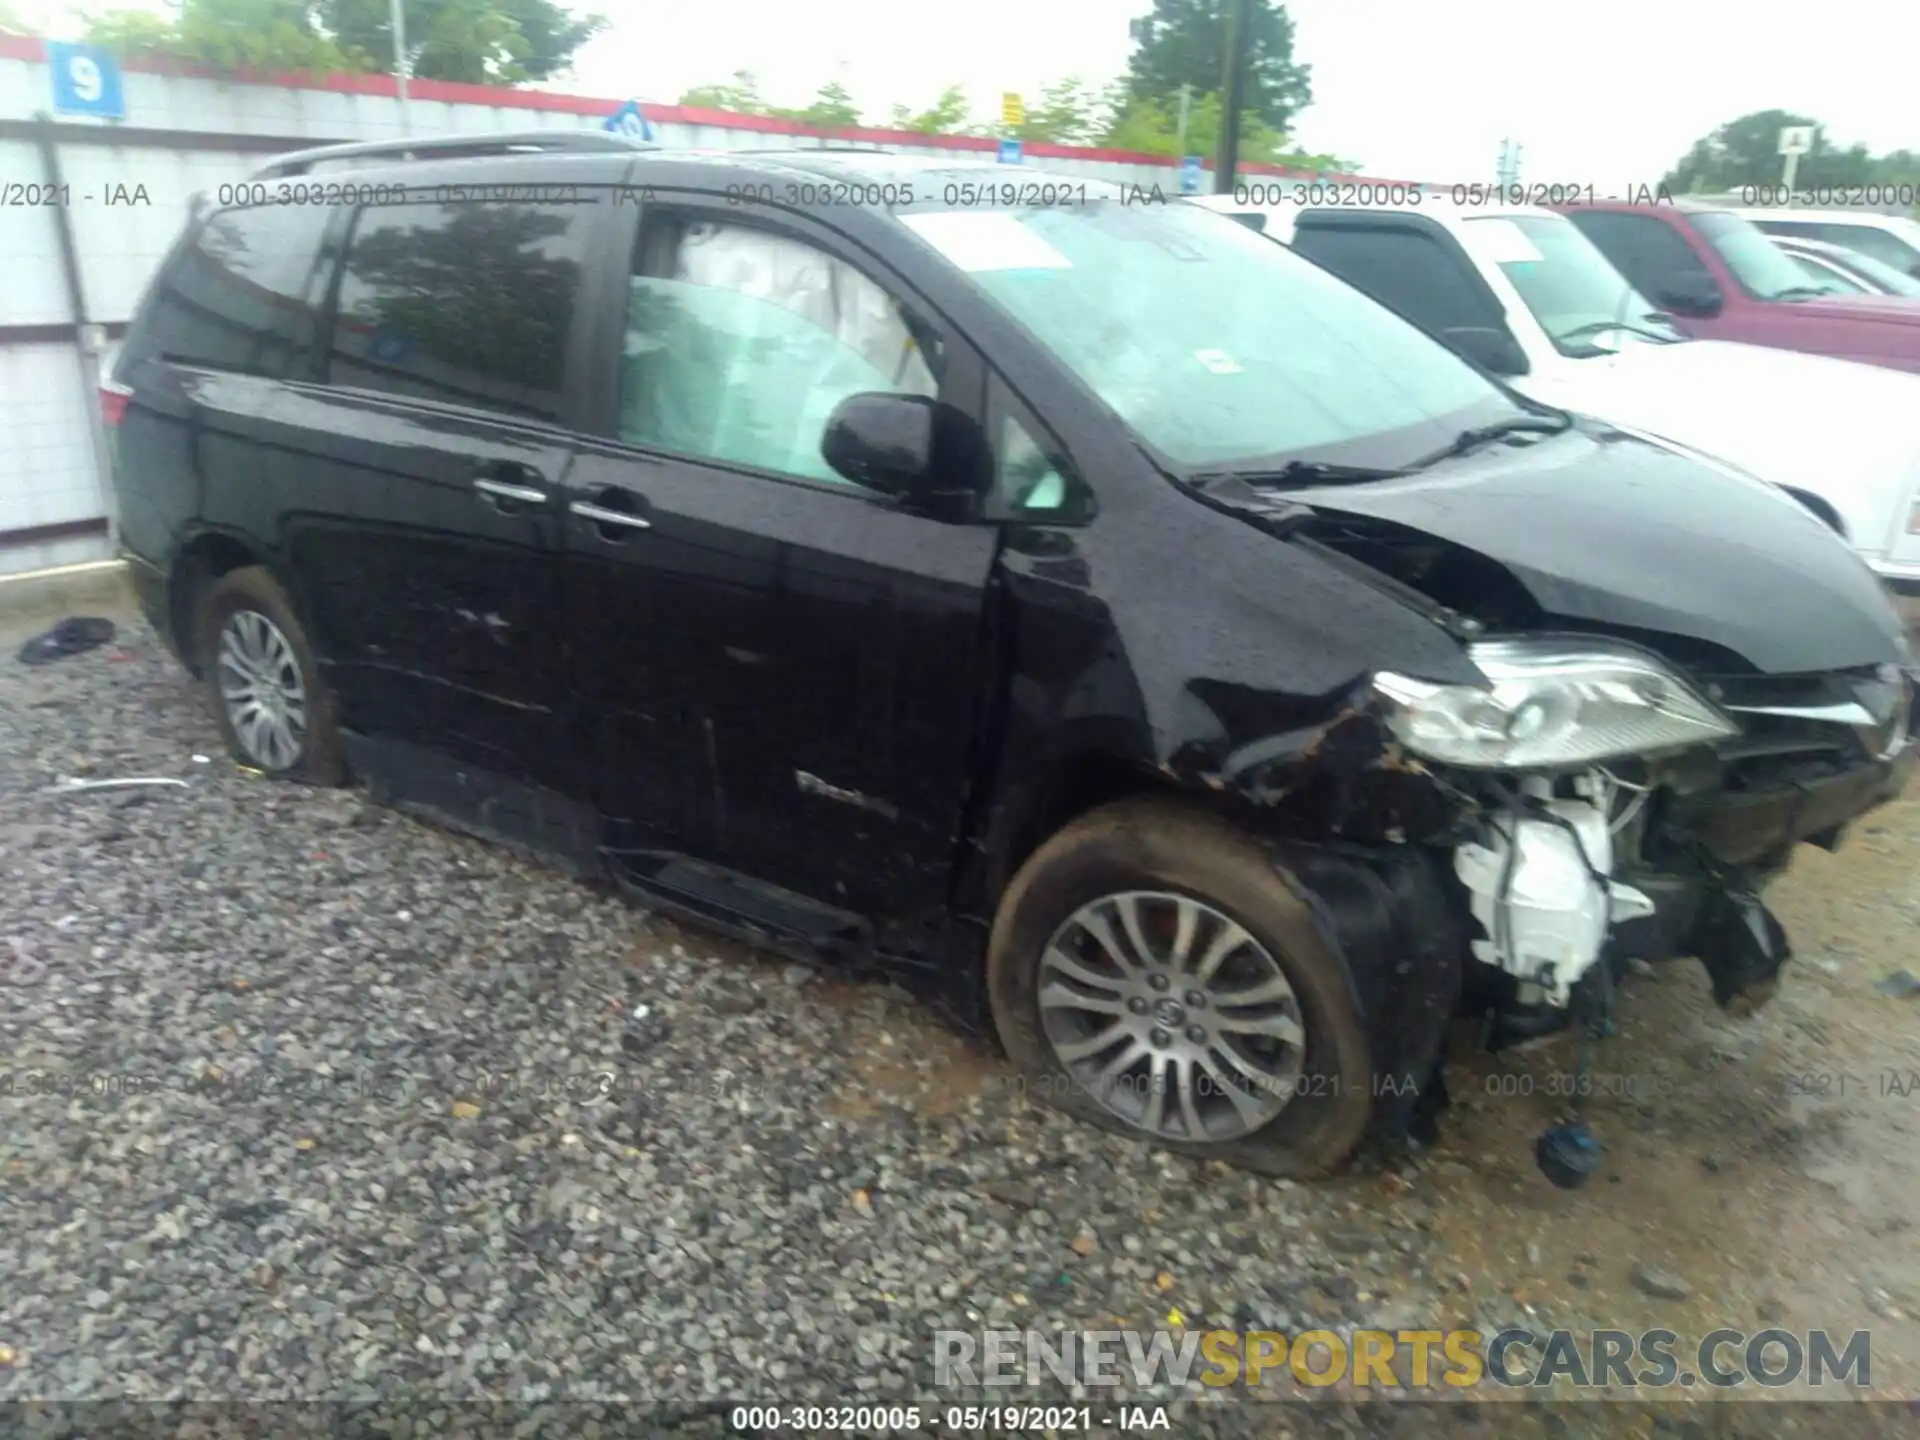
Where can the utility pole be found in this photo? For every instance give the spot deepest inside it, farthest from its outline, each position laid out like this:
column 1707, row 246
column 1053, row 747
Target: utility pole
column 1186, row 96
column 1233, row 95
column 398, row 12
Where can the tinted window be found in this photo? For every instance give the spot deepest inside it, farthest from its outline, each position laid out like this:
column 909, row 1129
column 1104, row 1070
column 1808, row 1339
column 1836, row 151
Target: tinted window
column 741, row 342
column 1648, row 251
column 1211, row 343
column 1403, row 269
column 465, row 304
column 244, row 295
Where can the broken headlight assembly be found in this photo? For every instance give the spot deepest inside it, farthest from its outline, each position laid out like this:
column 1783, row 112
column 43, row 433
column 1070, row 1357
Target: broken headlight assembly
column 1547, row 705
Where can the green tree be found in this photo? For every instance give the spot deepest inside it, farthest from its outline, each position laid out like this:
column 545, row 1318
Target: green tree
column 832, row 108
column 1070, row 112
column 497, row 42
column 228, row 35
column 1746, row 151
column 948, row 115
column 1184, row 42
column 10, row 23
column 481, row 42
column 742, row 96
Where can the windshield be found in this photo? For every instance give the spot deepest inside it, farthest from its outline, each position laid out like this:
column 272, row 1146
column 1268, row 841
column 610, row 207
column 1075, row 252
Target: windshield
column 1828, row 277
column 1571, row 288
column 1215, row 346
column 1881, row 276
column 1763, row 269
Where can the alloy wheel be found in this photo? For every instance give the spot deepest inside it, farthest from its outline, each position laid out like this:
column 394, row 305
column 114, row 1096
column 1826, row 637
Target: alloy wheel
column 1172, row 1016
column 260, row 685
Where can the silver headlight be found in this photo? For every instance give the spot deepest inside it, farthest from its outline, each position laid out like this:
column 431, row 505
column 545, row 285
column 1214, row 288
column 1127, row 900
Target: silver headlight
column 1546, row 705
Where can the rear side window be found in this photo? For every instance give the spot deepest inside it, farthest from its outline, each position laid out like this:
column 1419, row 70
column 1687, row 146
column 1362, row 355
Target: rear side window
column 466, row 304
column 244, row 294
column 1648, row 251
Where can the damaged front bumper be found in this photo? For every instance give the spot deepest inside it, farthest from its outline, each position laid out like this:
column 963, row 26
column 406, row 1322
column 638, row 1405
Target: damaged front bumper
column 1534, row 888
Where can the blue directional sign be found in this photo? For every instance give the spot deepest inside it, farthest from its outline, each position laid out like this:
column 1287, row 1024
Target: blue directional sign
column 86, row 81
column 1190, row 174
column 1009, row 152
column 628, row 120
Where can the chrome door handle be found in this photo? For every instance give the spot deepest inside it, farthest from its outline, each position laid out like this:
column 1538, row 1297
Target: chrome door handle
column 501, row 490
column 600, row 515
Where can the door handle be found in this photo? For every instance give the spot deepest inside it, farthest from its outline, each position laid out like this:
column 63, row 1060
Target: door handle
column 600, row 515
column 504, row 490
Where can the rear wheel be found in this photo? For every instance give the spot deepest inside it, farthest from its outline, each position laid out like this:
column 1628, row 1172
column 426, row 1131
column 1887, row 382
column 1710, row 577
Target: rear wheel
column 1151, row 972
column 273, row 710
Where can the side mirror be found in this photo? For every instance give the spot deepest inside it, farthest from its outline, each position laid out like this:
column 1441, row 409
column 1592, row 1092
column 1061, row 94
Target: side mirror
column 1692, row 294
column 1493, row 350
column 928, row 455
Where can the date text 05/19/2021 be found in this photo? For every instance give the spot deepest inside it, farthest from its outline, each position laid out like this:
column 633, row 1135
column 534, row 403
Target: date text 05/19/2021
column 944, row 1420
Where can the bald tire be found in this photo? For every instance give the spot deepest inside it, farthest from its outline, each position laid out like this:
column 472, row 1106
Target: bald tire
column 1157, row 844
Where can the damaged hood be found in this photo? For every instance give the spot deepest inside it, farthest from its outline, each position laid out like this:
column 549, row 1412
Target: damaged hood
column 1602, row 529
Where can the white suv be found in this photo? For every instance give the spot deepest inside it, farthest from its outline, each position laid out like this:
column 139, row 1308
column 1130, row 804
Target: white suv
column 1891, row 239
column 1522, row 293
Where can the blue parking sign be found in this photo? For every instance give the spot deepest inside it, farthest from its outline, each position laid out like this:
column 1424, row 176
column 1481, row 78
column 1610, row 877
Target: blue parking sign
column 86, row 81
column 1009, row 152
column 631, row 121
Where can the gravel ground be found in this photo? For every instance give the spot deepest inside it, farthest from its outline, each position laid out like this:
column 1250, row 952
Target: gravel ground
column 362, row 1110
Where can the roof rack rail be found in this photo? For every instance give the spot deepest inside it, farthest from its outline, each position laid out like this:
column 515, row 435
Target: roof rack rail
column 447, row 147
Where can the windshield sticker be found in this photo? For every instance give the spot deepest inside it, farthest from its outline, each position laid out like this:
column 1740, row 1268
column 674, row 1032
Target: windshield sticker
column 1504, row 243
column 1218, row 361
column 977, row 240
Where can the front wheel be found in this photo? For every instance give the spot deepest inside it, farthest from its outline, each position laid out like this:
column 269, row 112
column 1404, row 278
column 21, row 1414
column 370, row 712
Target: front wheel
column 1152, row 973
column 273, row 709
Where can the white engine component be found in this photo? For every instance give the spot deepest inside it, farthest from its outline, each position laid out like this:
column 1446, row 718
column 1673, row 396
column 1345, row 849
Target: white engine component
column 1549, row 920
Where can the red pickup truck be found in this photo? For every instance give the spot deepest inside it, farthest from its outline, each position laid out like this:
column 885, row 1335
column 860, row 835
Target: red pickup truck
column 1725, row 280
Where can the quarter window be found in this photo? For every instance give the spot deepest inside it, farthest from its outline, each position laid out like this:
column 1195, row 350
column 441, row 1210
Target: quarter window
column 740, row 343
column 467, row 304
column 244, row 295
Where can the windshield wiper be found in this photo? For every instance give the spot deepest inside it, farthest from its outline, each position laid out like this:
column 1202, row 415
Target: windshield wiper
column 1601, row 327
column 1802, row 292
column 1296, row 472
column 1473, row 439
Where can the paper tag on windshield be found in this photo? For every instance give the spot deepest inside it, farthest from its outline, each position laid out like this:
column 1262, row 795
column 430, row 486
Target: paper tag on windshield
column 1503, row 242
column 986, row 240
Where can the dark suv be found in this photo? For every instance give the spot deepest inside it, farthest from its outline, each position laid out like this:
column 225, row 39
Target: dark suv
column 1063, row 599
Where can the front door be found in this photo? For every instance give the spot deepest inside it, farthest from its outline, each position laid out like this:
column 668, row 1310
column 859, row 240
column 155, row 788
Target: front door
column 782, row 670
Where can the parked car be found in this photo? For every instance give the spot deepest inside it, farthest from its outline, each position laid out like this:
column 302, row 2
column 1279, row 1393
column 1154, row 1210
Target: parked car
column 1522, row 293
column 1096, row 615
column 1891, row 239
column 1725, row 280
column 1844, row 271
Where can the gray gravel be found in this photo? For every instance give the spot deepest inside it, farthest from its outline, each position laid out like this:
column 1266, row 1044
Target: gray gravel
column 304, row 1099
column 357, row 1108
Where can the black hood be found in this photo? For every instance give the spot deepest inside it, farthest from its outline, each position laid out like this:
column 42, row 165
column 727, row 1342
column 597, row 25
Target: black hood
column 1601, row 529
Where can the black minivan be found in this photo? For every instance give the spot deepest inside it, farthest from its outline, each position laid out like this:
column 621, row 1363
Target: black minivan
column 1054, row 595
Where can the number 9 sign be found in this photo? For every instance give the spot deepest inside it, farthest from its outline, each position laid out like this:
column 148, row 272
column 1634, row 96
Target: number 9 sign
column 85, row 81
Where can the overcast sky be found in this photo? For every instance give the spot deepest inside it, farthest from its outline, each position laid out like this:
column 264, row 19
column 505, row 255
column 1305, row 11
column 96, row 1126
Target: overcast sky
column 1604, row 94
